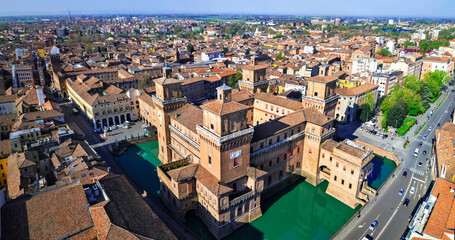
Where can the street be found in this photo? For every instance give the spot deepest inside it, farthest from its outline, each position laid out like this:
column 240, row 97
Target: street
column 387, row 207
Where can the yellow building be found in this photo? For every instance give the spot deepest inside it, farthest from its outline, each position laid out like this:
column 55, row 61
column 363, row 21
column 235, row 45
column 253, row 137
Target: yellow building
column 347, row 83
column 5, row 151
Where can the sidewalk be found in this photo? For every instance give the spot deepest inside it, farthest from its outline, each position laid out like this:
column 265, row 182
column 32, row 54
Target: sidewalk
column 422, row 119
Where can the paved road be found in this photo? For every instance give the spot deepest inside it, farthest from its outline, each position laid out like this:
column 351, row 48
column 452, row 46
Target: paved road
column 387, row 208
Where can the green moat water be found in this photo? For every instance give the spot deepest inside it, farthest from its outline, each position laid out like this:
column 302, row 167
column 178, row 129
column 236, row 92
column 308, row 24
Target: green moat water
column 382, row 169
column 300, row 211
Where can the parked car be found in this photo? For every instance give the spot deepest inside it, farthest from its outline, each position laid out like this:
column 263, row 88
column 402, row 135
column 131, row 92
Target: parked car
column 125, row 126
column 412, row 191
column 420, row 143
column 373, row 225
column 424, row 152
column 405, row 174
column 424, row 136
column 439, row 124
column 401, row 191
column 419, row 164
column 406, row 202
column 429, row 129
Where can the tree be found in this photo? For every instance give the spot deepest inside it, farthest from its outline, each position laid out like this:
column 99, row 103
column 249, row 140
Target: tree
column 408, row 43
column 225, row 50
column 280, row 56
column 395, row 116
column 245, row 36
column 89, row 48
column 411, row 82
column 365, row 112
column 403, row 105
column 435, row 80
column 190, row 48
column 426, row 95
column 369, row 99
column 384, row 52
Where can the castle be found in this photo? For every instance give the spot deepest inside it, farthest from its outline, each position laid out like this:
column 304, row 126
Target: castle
column 219, row 157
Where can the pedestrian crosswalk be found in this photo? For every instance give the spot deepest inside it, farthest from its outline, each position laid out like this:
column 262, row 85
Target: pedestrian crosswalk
column 428, row 144
column 417, row 171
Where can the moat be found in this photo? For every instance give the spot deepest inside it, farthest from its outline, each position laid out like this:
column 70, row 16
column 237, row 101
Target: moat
column 299, row 211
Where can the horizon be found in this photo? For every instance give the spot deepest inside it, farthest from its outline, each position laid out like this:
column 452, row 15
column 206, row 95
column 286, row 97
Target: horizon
column 439, row 9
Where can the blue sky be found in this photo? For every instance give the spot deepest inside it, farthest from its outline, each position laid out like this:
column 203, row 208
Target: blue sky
column 399, row 8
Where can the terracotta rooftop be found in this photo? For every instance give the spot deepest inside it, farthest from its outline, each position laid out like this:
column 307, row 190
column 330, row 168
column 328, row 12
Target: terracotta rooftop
column 51, row 214
column 126, row 215
column 280, row 101
column 189, row 116
column 355, row 91
column 327, row 79
column 442, row 217
column 219, row 108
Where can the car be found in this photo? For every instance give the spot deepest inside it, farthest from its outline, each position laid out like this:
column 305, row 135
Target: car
column 401, row 191
column 420, row 143
column 406, row 202
column 373, row 225
column 419, row 164
column 367, row 237
column 439, row 124
column 424, row 136
column 405, row 174
column 429, row 129
column 424, row 152
column 125, row 126
column 412, row 191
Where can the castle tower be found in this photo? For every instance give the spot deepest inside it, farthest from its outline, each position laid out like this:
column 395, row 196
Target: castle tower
column 168, row 98
column 321, row 94
column 225, row 139
column 254, row 77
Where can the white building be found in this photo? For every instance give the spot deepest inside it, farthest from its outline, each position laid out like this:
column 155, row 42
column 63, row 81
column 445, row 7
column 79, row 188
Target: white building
column 363, row 64
column 390, row 46
column 309, row 49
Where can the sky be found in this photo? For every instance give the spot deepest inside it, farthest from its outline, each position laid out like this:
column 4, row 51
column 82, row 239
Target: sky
column 396, row 8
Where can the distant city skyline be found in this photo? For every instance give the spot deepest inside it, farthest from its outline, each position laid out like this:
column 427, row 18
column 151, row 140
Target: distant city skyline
column 391, row 8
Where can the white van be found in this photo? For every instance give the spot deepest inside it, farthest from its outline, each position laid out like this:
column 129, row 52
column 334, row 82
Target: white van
column 416, row 152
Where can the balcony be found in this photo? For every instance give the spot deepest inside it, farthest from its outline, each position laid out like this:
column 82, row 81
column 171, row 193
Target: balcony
column 238, row 197
column 325, row 101
column 172, row 100
column 256, row 83
column 173, row 129
column 219, row 140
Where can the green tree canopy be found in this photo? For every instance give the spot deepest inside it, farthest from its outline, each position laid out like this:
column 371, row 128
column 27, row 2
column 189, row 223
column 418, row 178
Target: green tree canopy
column 413, row 83
column 280, row 56
column 190, row 48
column 384, row 52
column 435, row 80
column 395, row 116
column 365, row 112
column 369, row 99
column 408, row 43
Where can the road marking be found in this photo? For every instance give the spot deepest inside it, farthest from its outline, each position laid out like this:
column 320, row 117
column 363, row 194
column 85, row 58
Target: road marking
column 418, row 180
column 361, row 226
column 373, row 232
column 418, row 172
